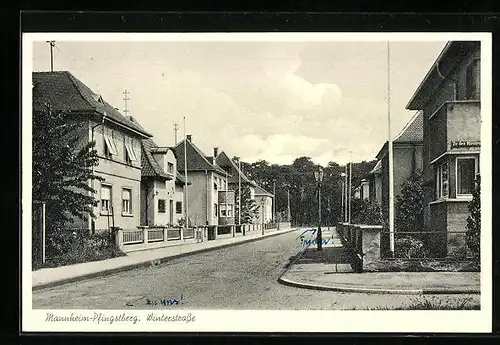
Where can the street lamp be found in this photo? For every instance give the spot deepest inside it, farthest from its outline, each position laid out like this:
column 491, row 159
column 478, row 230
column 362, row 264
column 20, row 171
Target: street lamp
column 318, row 176
column 343, row 175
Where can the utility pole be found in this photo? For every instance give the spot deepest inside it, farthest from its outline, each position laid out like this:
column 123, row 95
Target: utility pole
column 126, row 99
column 186, row 207
column 176, row 128
column 390, row 153
column 289, row 216
column 52, row 45
column 350, row 190
column 274, row 201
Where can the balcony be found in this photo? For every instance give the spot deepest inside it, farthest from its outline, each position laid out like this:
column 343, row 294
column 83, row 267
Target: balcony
column 453, row 122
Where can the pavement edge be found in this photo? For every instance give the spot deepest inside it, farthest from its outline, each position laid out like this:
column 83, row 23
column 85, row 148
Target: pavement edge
column 129, row 267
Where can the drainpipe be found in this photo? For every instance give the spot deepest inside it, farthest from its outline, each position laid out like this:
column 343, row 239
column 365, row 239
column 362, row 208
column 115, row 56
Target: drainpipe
column 93, row 181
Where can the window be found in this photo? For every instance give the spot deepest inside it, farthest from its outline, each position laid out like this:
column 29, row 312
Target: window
column 230, row 210
column 161, row 206
column 109, row 146
column 216, row 212
column 215, row 183
column 127, row 201
column 472, row 80
column 170, row 168
column 466, row 173
column 105, row 198
column 223, row 210
column 178, row 207
column 130, row 156
column 442, row 181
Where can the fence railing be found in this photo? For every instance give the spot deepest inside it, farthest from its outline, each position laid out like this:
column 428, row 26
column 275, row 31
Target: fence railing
column 173, row 234
column 133, row 237
column 156, row 235
column 188, row 233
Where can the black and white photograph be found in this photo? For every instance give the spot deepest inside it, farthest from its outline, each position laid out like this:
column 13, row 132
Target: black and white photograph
column 305, row 182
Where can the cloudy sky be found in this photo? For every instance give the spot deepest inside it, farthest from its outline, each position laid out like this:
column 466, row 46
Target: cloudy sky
column 258, row 100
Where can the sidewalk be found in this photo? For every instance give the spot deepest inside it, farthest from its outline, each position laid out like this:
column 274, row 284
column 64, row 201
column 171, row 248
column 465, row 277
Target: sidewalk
column 49, row 277
column 330, row 269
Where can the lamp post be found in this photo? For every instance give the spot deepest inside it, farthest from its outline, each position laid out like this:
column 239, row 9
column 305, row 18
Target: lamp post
column 318, row 175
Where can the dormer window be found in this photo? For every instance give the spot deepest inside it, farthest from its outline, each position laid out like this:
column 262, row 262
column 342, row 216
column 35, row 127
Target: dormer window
column 170, row 168
column 98, row 98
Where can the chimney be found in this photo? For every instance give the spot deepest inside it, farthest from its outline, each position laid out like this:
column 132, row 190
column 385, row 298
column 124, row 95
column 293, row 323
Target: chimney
column 216, row 151
column 189, row 137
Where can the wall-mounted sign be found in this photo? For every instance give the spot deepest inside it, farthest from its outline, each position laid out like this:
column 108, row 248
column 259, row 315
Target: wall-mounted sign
column 464, row 144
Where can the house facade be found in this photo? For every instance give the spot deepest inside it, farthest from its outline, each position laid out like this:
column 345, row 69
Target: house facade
column 210, row 201
column 264, row 201
column 407, row 159
column 162, row 187
column 118, row 144
column 449, row 97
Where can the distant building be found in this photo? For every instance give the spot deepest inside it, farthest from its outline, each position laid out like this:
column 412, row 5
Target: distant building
column 264, row 200
column 210, row 202
column 375, row 183
column 118, row 144
column 449, row 97
column 162, row 187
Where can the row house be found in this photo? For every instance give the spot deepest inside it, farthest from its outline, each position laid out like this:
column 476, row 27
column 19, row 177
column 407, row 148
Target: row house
column 210, row 201
column 118, row 144
column 263, row 199
column 162, row 187
column 449, row 97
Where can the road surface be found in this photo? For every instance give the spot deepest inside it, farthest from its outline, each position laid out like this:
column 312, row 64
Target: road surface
column 238, row 277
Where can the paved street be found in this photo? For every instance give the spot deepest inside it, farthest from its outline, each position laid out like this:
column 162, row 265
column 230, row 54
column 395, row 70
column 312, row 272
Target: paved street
column 238, row 277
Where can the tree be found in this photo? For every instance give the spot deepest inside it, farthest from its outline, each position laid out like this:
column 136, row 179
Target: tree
column 473, row 234
column 249, row 208
column 409, row 215
column 365, row 212
column 62, row 167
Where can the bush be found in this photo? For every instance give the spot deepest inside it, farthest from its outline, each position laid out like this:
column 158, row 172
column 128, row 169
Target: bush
column 409, row 211
column 409, row 248
column 365, row 212
column 72, row 247
column 473, row 234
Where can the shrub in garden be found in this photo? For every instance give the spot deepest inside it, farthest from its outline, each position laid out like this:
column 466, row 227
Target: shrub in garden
column 409, row 248
column 409, row 211
column 473, row 234
column 365, row 212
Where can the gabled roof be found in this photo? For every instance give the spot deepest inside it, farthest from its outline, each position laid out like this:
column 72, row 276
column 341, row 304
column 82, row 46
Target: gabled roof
column 65, row 92
column 196, row 160
column 223, row 160
column 261, row 191
column 412, row 133
column 377, row 169
column 150, row 167
column 450, row 57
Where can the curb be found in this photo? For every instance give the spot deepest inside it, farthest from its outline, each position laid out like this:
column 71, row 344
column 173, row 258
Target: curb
column 425, row 291
column 132, row 266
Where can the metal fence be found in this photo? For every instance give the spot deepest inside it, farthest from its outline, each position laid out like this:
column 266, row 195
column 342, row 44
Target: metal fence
column 173, row 234
column 188, row 233
column 156, row 234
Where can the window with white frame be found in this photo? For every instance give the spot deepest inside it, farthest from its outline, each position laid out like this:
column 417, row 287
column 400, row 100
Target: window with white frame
column 161, row 206
column 105, row 198
column 442, row 181
column 223, row 210
column 230, row 209
column 127, row 201
column 178, row 207
column 467, row 169
column 109, row 145
column 130, row 156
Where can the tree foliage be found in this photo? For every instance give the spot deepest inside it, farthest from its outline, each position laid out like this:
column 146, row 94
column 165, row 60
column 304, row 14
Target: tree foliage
column 365, row 212
column 249, row 208
column 473, row 234
column 62, row 167
column 409, row 215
